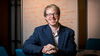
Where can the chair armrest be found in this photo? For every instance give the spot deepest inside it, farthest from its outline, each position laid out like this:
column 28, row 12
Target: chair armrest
column 19, row 52
column 3, row 51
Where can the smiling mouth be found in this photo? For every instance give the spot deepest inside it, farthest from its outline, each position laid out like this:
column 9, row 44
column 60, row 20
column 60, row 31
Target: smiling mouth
column 53, row 20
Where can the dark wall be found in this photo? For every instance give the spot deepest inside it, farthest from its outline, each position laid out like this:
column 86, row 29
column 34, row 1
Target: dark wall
column 4, row 24
column 82, row 25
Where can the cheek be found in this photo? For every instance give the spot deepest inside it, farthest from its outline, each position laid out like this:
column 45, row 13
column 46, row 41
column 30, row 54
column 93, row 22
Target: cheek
column 48, row 18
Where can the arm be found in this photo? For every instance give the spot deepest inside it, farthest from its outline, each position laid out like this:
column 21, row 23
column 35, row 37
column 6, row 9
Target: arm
column 32, row 45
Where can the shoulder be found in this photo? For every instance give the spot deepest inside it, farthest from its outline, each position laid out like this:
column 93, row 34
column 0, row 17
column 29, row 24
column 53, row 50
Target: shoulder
column 41, row 27
column 67, row 29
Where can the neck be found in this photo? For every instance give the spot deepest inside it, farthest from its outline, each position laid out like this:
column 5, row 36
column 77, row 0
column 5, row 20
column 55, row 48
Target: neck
column 54, row 27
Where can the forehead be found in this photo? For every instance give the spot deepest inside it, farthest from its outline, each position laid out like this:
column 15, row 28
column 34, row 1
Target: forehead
column 51, row 10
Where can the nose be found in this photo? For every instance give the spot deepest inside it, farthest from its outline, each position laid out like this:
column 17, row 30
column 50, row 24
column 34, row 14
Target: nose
column 52, row 15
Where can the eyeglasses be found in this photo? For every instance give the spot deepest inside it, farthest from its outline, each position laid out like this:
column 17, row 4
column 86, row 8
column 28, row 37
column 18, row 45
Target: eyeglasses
column 50, row 14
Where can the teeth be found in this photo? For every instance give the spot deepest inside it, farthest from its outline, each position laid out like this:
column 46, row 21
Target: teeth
column 53, row 20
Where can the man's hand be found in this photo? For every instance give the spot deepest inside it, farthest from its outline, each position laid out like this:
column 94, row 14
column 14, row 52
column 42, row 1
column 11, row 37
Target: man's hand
column 49, row 49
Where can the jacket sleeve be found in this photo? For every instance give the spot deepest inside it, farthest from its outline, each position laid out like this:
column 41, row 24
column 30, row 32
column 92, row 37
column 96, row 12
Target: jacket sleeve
column 32, row 45
column 70, row 48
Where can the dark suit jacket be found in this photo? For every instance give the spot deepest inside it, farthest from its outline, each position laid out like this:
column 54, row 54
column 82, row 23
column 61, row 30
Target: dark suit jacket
column 42, row 36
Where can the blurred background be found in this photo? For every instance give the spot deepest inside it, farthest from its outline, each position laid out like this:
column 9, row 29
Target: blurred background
column 18, row 18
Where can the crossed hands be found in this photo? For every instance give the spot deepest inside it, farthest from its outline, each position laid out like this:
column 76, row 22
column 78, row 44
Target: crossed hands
column 49, row 49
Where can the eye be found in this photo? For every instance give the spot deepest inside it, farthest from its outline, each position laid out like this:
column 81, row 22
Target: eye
column 50, row 14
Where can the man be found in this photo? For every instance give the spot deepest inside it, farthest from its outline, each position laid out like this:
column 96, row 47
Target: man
column 53, row 38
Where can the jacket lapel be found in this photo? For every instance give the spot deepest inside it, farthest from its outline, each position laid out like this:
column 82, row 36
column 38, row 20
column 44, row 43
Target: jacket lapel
column 49, row 35
column 61, row 37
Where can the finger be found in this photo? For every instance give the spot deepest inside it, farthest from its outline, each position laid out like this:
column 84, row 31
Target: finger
column 51, row 51
column 50, row 46
column 45, row 49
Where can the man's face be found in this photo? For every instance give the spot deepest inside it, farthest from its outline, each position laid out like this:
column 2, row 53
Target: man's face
column 51, row 16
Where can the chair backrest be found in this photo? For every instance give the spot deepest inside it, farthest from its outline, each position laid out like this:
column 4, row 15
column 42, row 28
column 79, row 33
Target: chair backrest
column 93, row 44
column 3, row 51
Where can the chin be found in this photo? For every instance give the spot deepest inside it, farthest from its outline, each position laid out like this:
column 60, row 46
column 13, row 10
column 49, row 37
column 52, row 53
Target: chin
column 52, row 24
